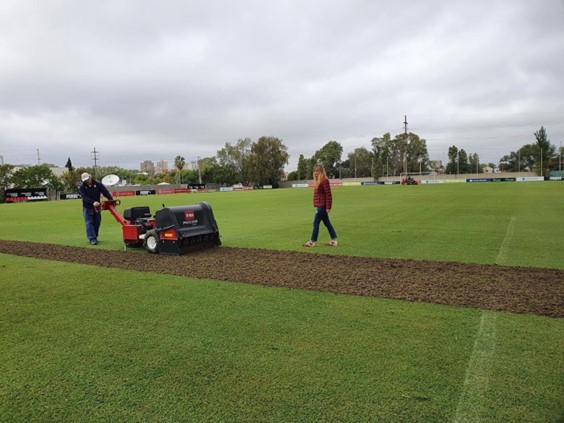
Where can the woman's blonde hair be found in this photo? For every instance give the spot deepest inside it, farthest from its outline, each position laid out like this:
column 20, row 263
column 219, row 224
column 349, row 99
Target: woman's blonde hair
column 322, row 175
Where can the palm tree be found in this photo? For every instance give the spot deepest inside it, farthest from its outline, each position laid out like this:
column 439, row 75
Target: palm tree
column 179, row 163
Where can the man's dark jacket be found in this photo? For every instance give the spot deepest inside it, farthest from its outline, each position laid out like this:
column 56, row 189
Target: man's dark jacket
column 91, row 193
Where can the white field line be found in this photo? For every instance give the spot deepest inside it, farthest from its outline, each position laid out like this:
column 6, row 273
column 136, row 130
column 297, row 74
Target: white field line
column 471, row 403
column 508, row 235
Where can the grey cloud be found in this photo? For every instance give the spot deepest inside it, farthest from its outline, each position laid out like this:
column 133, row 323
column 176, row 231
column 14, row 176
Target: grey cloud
column 164, row 78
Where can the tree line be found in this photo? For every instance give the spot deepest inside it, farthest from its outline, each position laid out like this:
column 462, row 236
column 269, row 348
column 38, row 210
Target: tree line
column 246, row 162
column 262, row 163
column 407, row 153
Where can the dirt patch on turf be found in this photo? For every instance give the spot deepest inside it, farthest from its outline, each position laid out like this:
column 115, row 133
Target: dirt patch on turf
column 492, row 287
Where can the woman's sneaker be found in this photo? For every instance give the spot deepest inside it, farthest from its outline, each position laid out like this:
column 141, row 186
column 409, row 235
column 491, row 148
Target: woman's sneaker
column 309, row 244
column 332, row 243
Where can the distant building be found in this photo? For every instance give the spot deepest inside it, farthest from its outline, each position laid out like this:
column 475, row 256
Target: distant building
column 58, row 171
column 148, row 167
column 162, row 167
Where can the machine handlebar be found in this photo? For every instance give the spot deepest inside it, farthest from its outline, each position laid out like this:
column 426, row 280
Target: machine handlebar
column 110, row 203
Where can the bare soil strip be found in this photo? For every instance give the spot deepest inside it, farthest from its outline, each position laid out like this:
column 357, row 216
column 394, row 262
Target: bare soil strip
column 491, row 287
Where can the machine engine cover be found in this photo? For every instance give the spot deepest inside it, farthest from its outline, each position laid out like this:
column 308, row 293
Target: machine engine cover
column 135, row 213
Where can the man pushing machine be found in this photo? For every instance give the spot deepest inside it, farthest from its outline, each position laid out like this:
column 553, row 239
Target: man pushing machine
column 91, row 190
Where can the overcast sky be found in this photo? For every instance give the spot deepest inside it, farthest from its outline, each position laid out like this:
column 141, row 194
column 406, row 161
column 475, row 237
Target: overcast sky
column 149, row 80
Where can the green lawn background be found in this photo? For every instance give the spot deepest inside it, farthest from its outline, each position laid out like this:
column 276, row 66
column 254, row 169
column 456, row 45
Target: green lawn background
column 518, row 224
column 86, row 344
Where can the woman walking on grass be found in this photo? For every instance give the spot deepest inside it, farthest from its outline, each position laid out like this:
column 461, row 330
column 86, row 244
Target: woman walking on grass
column 322, row 201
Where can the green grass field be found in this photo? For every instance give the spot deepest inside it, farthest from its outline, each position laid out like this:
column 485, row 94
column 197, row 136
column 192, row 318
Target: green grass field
column 86, row 344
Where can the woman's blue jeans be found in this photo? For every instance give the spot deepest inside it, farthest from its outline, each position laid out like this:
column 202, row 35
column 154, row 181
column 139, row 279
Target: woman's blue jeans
column 322, row 216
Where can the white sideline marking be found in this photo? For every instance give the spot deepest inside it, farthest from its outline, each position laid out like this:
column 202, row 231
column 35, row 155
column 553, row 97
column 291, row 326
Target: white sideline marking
column 508, row 235
column 470, row 405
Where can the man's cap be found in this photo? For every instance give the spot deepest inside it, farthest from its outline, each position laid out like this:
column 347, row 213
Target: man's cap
column 85, row 176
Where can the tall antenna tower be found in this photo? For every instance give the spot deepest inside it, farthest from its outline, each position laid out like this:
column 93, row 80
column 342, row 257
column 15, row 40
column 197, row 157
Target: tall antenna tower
column 95, row 159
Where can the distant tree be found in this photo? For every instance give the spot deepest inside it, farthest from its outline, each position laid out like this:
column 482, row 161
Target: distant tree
column 361, row 162
column 509, row 163
column 330, row 156
column 179, row 163
column 164, row 177
column 464, row 166
column 55, row 185
column 229, row 171
column 293, row 176
column 302, row 168
column 142, row 179
column 345, row 169
column 310, row 165
column 377, row 168
column 210, row 170
column 69, row 165
column 453, row 161
column 5, row 179
column 70, row 181
column 474, row 163
column 186, row 176
column 416, row 153
column 381, row 148
column 233, row 161
column 33, row 177
column 404, row 151
column 70, row 178
column 526, row 158
column 266, row 161
column 545, row 152
column 458, row 161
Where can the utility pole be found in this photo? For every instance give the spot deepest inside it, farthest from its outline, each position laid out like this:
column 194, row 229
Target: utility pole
column 95, row 158
column 519, row 161
column 199, row 171
column 38, row 158
column 405, row 150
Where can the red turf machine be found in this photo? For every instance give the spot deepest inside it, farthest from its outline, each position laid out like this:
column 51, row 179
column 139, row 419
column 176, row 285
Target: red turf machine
column 172, row 230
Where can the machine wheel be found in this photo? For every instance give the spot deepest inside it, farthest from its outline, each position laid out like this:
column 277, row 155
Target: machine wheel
column 152, row 241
